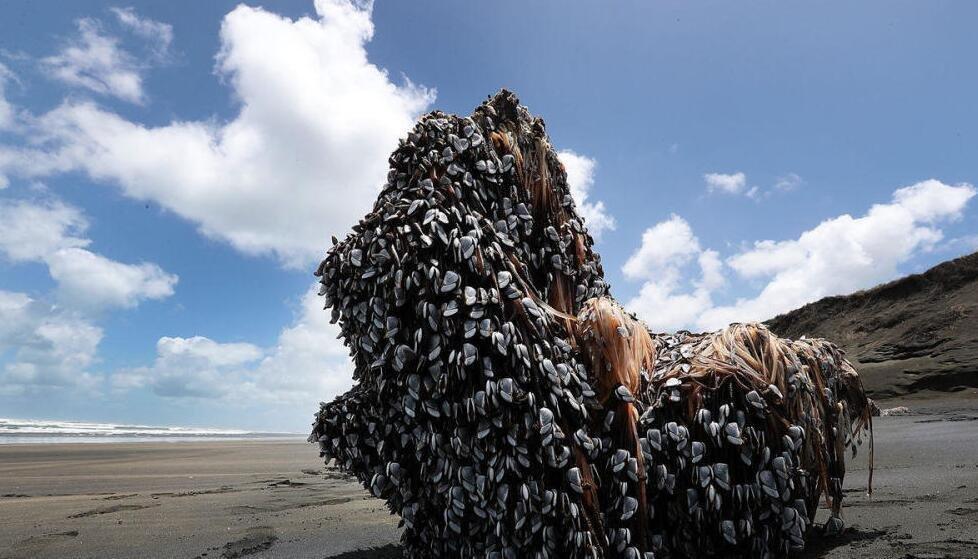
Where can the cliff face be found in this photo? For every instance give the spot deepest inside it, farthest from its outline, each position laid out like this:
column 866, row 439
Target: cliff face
column 915, row 333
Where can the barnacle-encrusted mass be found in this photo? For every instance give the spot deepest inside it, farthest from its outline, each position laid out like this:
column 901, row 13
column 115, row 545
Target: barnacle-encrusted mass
column 506, row 406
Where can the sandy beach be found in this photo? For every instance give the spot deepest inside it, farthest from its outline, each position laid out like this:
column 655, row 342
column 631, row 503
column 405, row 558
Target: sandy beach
column 275, row 498
column 188, row 499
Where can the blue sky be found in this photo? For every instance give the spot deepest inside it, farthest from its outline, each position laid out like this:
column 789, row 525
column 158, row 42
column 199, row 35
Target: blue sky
column 171, row 172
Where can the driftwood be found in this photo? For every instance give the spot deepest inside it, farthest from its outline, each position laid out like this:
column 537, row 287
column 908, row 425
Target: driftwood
column 506, row 406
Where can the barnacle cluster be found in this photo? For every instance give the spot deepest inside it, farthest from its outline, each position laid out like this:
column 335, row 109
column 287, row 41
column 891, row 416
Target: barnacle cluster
column 505, row 406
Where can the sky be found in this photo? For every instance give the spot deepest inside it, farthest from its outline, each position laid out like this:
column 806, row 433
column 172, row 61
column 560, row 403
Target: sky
column 171, row 173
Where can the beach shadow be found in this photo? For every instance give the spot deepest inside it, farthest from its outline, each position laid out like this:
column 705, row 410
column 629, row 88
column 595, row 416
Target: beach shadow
column 819, row 545
column 815, row 548
column 389, row 551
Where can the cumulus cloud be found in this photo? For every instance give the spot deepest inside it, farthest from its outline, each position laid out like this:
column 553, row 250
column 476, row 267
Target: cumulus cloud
column 838, row 256
column 55, row 344
column 711, row 271
column 195, row 367
column 664, row 246
column 736, row 183
column 843, row 254
column 50, row 347
column 90, row 280
column 219, row 355
column 788, row 182
column 932, row 200
column 733, row 183
column 6, row 109
column 14, row 311
column 580, row 179
column 668, row 250
column 308, row 358
column 306, row 364
column 303, row 158
column 52, row 232
column 159, row 34
column 30, row 231
column 95, row 61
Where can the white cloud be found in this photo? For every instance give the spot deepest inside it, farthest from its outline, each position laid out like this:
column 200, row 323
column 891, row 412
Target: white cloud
column 729, row 183
column 6, row 109
column 736, row 183
column 30, row 231
column 203, row 349
column 667, row 250
column 932, row 200
column 665, row 246
column 92, row 281
column 580, row 179
column 843, row 254
column 665, row 308
column 159, row 34
column 788, row 182
column 14, row 312
column 838, row 256
column 54, row 345
column 307, row 364
column 196, row 367
column 96, row 62
column 304, row 157
column 52, row 232
column 51, row 347
column 711, row 269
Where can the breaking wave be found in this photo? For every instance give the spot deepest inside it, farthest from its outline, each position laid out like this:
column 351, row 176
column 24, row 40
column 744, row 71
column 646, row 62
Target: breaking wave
column 49, row 431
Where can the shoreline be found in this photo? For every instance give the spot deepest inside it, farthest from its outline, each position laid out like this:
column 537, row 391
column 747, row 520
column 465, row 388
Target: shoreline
column 6, row 440
column 54, row 431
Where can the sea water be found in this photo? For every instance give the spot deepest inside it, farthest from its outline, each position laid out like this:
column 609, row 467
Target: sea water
column 49, row 431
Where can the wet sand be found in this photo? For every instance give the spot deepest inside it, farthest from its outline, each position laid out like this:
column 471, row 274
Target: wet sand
column 275, row 498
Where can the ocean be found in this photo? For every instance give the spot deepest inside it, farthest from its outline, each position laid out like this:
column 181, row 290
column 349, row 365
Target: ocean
column 18, row 431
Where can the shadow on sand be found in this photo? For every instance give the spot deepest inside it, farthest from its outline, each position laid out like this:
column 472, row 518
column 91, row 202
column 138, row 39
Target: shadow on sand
column 389, row 551
column 817, row 546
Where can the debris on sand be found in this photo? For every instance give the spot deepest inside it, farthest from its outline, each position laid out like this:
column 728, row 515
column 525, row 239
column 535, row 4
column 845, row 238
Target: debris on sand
column 506, row 406
column 898, row 410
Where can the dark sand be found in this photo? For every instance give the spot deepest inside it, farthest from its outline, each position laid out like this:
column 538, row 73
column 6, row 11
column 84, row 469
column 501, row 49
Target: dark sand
column 194, row 499
column 275, row 499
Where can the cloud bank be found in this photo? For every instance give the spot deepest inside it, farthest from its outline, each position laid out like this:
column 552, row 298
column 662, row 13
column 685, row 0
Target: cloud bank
column 838, row 256
column 54, row 339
